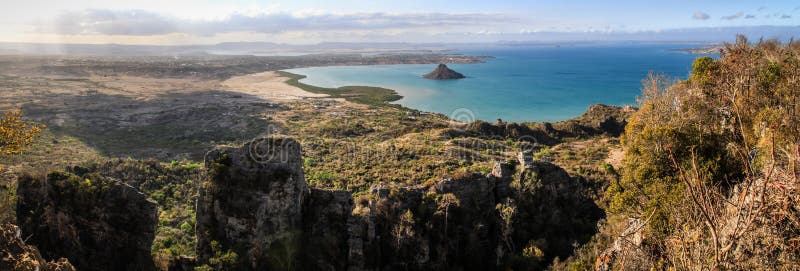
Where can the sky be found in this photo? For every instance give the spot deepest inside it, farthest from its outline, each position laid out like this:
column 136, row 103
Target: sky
column 178, row 22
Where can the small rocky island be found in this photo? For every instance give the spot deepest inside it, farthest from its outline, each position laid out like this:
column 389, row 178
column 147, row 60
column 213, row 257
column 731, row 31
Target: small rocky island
column 442, row 72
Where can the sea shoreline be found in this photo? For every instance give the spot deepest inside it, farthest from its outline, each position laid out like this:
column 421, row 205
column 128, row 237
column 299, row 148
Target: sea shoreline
column 518, row 84
column 369, row 95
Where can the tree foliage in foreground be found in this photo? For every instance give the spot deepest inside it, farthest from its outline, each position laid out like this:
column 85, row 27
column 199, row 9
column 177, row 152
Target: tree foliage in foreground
column 711, row 162
column 15, row 133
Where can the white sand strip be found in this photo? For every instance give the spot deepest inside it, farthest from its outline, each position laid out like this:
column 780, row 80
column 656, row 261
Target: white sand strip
column 268, row 86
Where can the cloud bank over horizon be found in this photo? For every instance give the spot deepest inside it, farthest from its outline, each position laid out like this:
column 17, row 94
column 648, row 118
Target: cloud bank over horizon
column 305, row 21
column 144, row 23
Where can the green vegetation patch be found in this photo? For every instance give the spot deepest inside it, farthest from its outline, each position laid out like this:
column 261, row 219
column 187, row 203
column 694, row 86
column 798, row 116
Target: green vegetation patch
column 374, row 96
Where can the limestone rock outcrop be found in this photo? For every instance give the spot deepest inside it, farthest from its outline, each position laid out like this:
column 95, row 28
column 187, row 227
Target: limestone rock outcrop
column 449, row 225
column 326, row 215
column 628, row 244
column 473, row 222
column 599, row 119
column 16, row 255
column 261, row 209
column 97, row 223
column 553, row 211
column 253, row 203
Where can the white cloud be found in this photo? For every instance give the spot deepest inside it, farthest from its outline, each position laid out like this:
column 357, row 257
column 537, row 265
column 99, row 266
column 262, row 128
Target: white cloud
column 734, row 16
column 144, row 23
column 700, row 16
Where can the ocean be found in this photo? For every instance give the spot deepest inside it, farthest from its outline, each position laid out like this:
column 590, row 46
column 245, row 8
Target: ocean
column 523, row 83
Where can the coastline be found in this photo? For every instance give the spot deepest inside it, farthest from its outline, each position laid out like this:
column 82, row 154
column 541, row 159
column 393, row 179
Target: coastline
column 521, row 85
column 368, row 95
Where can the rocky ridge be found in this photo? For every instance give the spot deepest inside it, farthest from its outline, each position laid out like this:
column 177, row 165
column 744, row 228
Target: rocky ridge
column 472, row 221
column 256, row 212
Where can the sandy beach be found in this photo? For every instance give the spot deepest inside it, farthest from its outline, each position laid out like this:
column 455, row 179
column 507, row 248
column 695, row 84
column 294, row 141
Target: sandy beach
column 269, row 86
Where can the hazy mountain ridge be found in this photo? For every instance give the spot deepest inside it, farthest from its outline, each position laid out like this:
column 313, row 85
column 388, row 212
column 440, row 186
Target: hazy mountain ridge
column 681, row 35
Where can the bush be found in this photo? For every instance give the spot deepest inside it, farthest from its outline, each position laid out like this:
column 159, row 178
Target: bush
column 15, row 133
column 697, row 152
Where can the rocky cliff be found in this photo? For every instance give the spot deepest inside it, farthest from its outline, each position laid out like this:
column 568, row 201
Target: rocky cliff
column 16, row 255
column 255, row 212
column 257, row 206
column 449, row 225
column 442, row 72
column 253, row 204
column 96, row 222
column 326, row 225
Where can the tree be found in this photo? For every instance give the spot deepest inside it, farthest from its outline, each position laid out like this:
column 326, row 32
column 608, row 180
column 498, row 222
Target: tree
column 445, row 202
column 15, row 133
column 222, row 259
column 507, row 210
column 404, row 228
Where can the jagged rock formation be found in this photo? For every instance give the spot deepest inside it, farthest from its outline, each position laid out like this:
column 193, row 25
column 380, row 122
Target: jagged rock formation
column 257, row 207
column 449, row 225
column 475, row 222
column 442, row 72
column 253, row 203
column 260, row 208
column 626, row 250
column 599, row 119
column 15, row 255
column 96, row 222
column 554, row 212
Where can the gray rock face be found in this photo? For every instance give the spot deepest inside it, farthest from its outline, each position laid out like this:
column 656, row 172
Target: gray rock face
column 253, row 203
column 265, row 213
column 15, row 254
column 325, row 230
column 626, row 245
column 95, row 222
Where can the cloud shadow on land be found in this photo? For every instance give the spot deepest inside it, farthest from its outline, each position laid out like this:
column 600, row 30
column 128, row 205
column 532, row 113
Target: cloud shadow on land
column 167, row 127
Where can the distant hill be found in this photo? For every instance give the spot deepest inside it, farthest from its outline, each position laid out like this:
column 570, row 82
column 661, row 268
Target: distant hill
column 442, row 72
column 225, row 48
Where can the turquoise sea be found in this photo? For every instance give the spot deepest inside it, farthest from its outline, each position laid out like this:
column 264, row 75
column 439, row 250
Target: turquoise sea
column 523, row 83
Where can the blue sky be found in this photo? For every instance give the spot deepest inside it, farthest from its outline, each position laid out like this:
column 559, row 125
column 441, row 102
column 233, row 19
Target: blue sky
column 661, row 14
column 305, row 21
